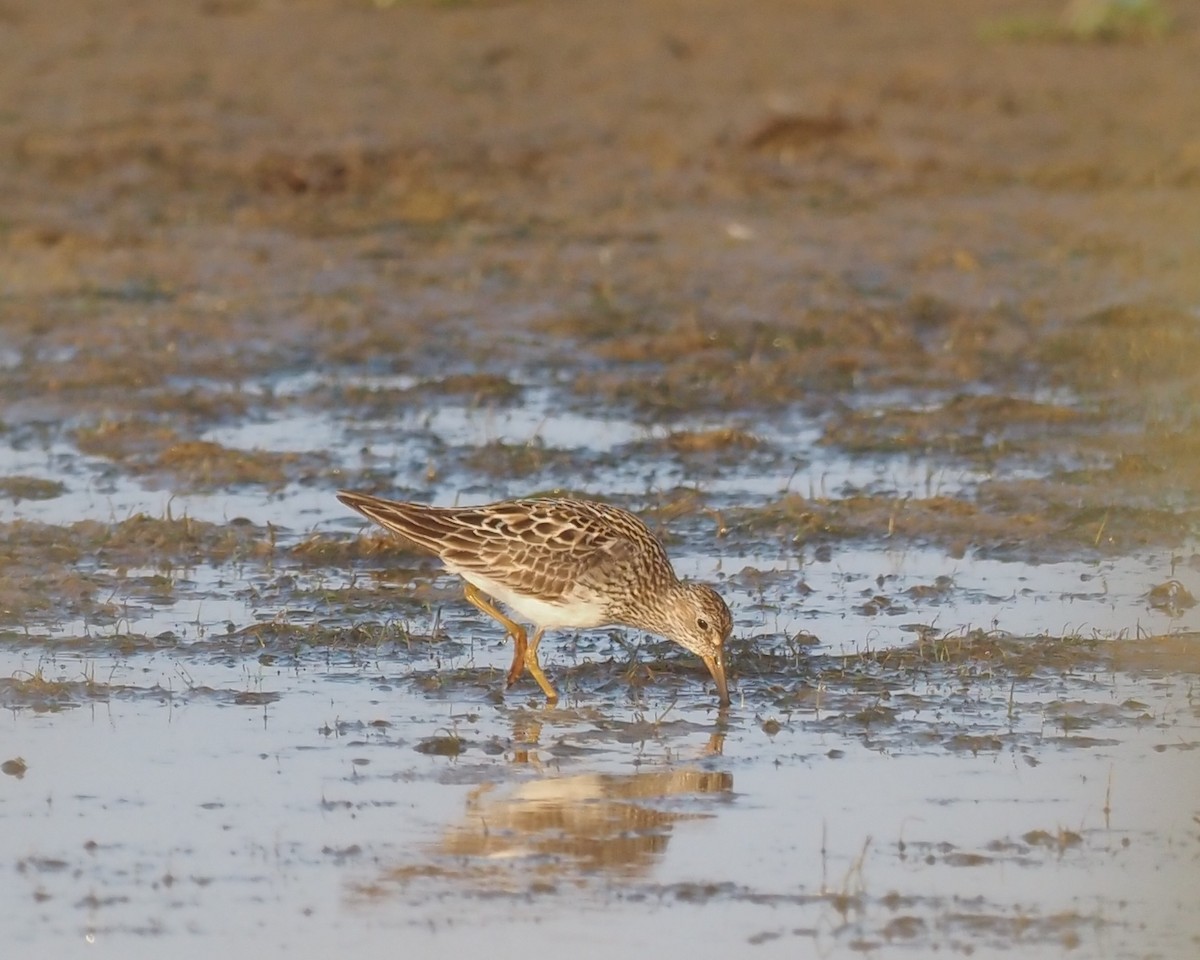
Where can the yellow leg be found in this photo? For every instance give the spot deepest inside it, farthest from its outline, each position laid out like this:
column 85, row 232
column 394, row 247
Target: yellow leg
column 514, row 630
column 535, row 668
column 517, row 668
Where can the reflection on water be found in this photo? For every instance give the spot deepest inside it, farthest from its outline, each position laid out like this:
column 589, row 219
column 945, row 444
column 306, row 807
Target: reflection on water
column 565, row 829
column 581, row 824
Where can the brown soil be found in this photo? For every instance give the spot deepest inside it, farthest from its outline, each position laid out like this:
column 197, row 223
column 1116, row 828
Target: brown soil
column 949, row 230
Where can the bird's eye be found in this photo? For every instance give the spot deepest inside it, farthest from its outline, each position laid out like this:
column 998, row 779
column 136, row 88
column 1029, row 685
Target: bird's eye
column 702, row 623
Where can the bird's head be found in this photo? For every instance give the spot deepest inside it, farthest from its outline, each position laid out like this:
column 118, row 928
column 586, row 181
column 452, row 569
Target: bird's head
column 698, row 619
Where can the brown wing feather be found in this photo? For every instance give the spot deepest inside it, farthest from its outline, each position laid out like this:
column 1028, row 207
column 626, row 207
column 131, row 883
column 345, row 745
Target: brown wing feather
column 544, row 546
column 422, row 525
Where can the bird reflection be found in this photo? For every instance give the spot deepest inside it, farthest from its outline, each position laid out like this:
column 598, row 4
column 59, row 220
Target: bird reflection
column 577, row 825
column 533, row 835
column 533, row 829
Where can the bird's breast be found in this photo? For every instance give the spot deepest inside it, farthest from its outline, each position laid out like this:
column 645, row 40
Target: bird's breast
column 569, row 611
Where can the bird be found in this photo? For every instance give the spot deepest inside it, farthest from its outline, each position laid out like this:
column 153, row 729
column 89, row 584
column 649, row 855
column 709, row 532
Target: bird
column 562, row 562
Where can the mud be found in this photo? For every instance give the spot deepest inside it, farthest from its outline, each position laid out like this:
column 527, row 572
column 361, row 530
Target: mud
column 885, row 320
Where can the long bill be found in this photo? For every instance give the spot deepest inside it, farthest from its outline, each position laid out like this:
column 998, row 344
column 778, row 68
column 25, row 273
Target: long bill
column 716, row 666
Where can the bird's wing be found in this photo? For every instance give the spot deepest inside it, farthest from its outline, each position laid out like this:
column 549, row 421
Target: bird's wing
column 544, row 547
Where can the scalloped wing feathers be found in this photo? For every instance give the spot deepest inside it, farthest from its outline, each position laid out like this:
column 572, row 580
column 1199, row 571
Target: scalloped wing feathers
column 553, row 548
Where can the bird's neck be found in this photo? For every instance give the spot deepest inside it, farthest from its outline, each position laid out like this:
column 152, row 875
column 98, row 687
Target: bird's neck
column 649, row 612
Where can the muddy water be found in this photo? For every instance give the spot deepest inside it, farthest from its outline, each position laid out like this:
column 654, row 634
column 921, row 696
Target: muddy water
column 885, row 319
column 215, row 756
column 181, row 800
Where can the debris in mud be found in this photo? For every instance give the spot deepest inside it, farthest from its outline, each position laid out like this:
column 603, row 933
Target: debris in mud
column 140, row 540
column 1171, row 597
column 445, row 746
column 52, row 571
column 1132, row 345
column 373, row 544
column 501, row 459
column 20, row 488
column 255, row 698
column 477, row 388
column 719, row 441
column 783, row 135
column 965, row 425
column 152, row 449
column 1017, row 519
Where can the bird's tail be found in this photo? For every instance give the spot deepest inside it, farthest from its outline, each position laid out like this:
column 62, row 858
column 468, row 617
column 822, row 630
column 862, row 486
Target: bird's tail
column 426, row 526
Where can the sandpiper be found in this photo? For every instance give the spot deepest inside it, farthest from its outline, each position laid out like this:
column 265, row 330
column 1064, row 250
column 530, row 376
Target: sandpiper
column 561, row 562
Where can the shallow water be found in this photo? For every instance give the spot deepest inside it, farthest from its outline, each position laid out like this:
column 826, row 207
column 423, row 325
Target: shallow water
column 184, row 784
column 176, row 799
column 601, row 449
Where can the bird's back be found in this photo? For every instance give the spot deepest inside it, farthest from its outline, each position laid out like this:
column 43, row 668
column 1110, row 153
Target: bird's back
column 550, row 547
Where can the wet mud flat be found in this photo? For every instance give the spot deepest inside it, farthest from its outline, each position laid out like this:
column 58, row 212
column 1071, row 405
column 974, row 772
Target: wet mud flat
column 980, row 797
column 887, row 324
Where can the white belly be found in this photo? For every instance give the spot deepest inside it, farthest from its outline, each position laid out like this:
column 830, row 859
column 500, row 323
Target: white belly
column 539, row 612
